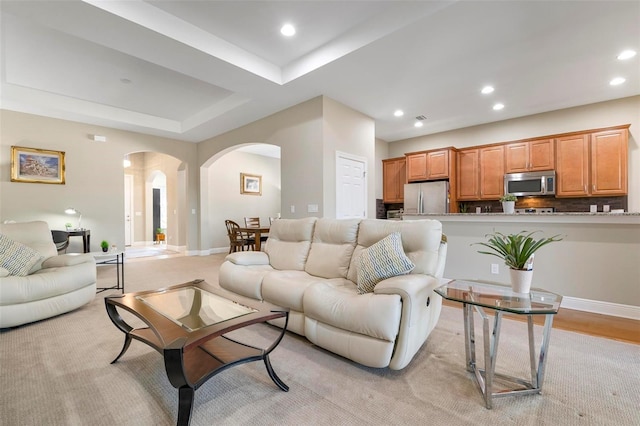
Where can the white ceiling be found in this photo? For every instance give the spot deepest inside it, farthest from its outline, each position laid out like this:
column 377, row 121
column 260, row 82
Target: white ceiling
column 191, row 70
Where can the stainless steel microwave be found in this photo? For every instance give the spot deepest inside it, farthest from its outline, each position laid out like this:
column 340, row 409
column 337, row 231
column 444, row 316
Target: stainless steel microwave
column 531, row 183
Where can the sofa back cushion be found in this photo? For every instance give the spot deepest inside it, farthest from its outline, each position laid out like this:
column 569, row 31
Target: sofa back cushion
column 289, row 242
column 34, row 234
column 334, row 241
column 420, row 241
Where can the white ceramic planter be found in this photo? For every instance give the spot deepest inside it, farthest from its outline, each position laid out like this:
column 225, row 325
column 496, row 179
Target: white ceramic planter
column 521, row 280
column 508, row 207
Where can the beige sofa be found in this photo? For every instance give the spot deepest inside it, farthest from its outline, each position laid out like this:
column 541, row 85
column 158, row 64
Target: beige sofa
column 53, row 285
column 312, row 267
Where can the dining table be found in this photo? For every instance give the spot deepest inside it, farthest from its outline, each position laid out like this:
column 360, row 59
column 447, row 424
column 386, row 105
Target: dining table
column 258, row 231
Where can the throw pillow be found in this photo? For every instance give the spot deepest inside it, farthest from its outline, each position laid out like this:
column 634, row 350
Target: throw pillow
column 17, row 258
column 382, row 260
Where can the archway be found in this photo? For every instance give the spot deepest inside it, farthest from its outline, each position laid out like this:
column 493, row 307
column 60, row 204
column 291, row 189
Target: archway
column 163, row 174
column 220, row 190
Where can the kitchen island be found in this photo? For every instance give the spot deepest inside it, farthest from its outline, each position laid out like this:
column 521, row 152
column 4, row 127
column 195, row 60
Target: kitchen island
column 596, row 266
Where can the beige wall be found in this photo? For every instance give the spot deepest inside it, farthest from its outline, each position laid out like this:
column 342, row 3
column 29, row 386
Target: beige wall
column 298, row 133
column 308, row 134
column 350, row 132
column 226, row 201
column 94, row 178
column 603, row 114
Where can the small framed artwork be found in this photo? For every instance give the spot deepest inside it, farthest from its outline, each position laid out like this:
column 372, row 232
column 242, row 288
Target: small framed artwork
column 250, row 184
column 34, row 165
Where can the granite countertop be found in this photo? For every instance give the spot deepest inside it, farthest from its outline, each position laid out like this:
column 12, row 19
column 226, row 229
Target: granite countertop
column 559, row 217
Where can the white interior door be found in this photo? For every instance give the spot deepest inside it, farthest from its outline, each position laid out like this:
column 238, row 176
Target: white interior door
column 128, row 209
column 351, row 186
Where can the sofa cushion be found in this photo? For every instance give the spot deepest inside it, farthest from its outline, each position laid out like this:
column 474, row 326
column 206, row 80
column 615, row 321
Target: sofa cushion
column 289, row 242
column 337, row 303
column 34, row 234
column 333, row 243
column 420, row 241
column 286, row 288
column 382, row 260
column 17, row 258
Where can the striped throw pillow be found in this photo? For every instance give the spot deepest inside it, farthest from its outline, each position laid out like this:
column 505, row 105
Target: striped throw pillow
column 17, row 258
column 382, row 260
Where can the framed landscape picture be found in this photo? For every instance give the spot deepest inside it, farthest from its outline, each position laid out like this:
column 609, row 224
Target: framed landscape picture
column 250, row 184
column 34, row 165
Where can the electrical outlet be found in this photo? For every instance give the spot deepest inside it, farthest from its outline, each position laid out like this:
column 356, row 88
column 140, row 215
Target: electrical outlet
column 293, row 208
column 495, row 268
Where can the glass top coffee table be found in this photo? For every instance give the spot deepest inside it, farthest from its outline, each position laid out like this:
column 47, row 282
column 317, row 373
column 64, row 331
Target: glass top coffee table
column 187, row 323
column 477, row 295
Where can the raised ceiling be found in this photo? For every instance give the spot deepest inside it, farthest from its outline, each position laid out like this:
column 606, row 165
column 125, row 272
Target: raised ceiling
column 191, row 70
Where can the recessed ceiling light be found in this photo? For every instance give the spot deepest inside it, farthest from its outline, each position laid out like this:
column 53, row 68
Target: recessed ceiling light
column 288, row 30
column 418, row 124
column 487, row 89
column 398, row 113
column 498, row 107
column 626, row 54
column 616, row 81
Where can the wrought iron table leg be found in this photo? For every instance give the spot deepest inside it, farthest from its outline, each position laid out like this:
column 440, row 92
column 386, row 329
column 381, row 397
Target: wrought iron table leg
column 185, row 405
column 282, row 385
column 127, row 342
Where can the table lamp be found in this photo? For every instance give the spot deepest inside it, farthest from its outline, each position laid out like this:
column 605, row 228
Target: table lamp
column 71, row 210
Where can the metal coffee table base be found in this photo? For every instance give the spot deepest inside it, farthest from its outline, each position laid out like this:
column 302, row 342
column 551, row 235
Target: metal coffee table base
column 485, row 377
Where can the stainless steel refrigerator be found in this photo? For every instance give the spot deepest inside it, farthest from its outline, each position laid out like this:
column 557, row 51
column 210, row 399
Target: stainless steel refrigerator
column 426, row 197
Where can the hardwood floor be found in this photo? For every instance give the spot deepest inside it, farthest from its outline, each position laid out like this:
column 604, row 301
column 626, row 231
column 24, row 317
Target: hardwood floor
column 622, row 329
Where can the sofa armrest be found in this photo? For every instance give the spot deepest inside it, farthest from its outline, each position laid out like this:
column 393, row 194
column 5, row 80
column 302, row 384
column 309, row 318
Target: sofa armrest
column 69, row 259
column 420, row 312
column 247, row 258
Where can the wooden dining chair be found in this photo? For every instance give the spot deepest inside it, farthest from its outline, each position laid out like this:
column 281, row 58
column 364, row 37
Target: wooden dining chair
column 254, row 222
column 238, row 240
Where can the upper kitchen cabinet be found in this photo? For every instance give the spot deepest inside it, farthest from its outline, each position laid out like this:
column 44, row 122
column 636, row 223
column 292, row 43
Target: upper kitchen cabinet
column 593, row 164
column 429, row 165
column 468, row 174
column 480, row 173
column 393, row 180
column 491, row 172
column 609, row 153
column 530, row 156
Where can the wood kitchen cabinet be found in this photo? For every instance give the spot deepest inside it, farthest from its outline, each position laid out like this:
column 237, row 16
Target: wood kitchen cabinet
column 393, row 180
column 530, row 156
column 480, row 173
column 468, row 175
column 609, row 160
column 491, row 172
column 416, row 166
column 592, row 164
column 429, row 165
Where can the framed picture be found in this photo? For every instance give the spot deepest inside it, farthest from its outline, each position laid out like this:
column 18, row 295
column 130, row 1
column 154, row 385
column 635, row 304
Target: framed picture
column 34, row 165
column 250, row 184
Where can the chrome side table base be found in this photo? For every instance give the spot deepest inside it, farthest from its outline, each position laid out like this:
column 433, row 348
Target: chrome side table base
column 485, row 377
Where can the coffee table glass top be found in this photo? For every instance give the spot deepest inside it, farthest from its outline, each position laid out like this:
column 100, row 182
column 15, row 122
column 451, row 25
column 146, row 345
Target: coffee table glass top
column 194, row 308
column 501, row 297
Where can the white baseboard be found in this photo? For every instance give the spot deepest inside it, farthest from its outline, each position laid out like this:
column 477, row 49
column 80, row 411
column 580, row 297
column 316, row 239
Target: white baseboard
column 206, row 252
column 604, row 308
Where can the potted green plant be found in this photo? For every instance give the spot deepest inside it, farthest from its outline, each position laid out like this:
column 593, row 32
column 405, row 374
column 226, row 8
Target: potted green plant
column 508, row 203
column 517, row 252
column 68, row 226
column 105, row 245
column 160, row 235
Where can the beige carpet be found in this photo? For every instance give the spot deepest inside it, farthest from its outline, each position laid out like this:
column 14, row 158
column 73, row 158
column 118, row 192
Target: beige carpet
column 57, row 372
